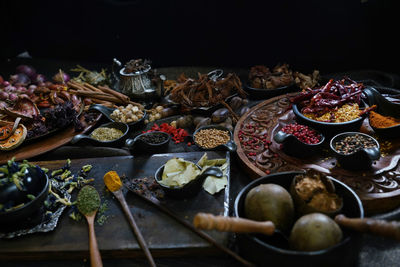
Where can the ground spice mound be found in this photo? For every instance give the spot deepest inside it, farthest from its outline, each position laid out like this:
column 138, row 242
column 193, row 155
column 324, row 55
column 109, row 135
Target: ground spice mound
column 88, row 200
column 379, row 121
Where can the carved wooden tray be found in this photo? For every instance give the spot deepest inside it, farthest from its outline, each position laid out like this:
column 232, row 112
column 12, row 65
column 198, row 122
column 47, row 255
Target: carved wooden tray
column 378, row 188
column 46, row 143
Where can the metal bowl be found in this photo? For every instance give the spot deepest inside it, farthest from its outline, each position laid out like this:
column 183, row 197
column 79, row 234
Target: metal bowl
column 263, row 251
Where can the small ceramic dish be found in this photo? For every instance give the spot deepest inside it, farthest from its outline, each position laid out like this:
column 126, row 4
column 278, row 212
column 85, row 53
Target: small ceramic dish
column 37, row 184
column 191, row 188
column 230, row 145
column 139, row 143
column 359, row 160
column 329, row 128
column 259, row 93
column 385, row 108
column 108, row 111
column 292, row 146
column 123, row 127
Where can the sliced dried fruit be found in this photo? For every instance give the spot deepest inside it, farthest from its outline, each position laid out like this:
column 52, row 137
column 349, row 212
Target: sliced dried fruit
column 15, row 140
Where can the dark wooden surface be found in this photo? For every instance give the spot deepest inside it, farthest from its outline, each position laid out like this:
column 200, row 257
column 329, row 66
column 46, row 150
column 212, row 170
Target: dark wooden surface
column 164, row 236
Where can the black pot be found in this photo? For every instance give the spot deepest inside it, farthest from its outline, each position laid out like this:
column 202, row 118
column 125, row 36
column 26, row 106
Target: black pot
column 262, row 251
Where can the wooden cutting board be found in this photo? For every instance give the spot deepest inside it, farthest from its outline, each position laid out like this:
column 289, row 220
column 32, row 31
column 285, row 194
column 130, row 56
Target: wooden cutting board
column 165, row 236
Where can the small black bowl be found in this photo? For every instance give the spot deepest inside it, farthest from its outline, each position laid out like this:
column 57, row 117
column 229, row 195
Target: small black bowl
column 230, row 145
column 329, row 128
column 137, row 144
column 40, row 189
column 87, row 139
column 258, row 93
column 190, row 189
column 294, row 147
column 385, row 108
column 261, row 249
column 108, row 111
column 359, row 160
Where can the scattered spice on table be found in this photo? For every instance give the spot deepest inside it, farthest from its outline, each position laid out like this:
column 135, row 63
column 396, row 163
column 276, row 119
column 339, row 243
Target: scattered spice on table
column 88, row 200
column 353, row 143
column 303, row 133
column 112, row 181
column 153, row 138
column 379, row 121
column 211, row 138
column 106, row 134
column 178, row 134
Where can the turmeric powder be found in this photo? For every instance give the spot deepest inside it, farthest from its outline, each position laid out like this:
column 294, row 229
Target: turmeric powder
column 379, row 121
column 112, row 181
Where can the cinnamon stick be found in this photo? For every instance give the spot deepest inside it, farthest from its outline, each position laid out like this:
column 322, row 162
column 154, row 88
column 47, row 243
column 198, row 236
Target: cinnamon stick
column 108, row 90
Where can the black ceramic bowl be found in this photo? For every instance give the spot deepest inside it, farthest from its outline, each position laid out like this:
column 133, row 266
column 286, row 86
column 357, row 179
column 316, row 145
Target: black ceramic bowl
column 138, row 144
column 19, row 215
column 294, row 147
column 108, row 111
column 385, row 108
column 328, row 128
column 262, row 250
column 87, row 139
column 230, row 145
column 258, row 93
column 359, row 160
column 190, row 189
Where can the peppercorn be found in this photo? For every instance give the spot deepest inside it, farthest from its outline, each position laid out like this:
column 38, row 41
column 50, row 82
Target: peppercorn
column 303, row 133
column 153, row 138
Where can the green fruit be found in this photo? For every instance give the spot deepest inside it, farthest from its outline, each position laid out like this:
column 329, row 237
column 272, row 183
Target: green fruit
column 313, row 232
column 270, row 202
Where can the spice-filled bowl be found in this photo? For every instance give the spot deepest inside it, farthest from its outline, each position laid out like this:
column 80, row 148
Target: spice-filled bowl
column 385, row 120
column 355, row 150
column 190, row 181
column 299, row 140
column 149, row 142
column 18, row 203
column 214, row 137
column 276, row 249
column 109, row 134
column 329, row 128
column 132, row 115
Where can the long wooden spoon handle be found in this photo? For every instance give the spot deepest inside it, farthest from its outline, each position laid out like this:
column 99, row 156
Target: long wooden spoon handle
column 208, row 221
column 372, row 226
column 95, row 257
column 135, row 228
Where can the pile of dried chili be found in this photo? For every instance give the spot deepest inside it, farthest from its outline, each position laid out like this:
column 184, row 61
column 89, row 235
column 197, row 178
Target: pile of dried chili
column 177, row 134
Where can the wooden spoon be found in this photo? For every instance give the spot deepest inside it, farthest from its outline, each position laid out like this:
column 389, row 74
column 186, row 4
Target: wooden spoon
column 90, row 214
column 120, row 196
column 371, row 226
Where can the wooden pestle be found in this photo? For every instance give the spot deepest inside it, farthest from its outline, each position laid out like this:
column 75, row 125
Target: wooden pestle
column 371, row 226
column 208, row 221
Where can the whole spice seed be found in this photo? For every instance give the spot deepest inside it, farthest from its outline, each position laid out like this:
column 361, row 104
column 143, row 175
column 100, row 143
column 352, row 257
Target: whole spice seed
column 88, row 200
column 153, row 138
column 106, row 134
column 302, row 133
column 353, row 143
column 210, row 138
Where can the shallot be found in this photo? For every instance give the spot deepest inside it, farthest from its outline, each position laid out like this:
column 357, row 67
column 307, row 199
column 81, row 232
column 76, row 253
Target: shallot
column 27, row 70
column 20, row 79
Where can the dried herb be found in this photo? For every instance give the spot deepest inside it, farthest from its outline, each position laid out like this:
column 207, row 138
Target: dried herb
column 88, row 200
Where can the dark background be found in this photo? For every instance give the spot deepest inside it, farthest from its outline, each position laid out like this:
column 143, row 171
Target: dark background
column 330, row 35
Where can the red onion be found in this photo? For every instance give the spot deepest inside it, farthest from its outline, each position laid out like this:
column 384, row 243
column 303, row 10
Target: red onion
column 40, row 78
column 3, row 95
column 61, row 79
column 6, row 83
column 10, row 88
column 28, row 70
column 20, row 79
column 13, row 97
